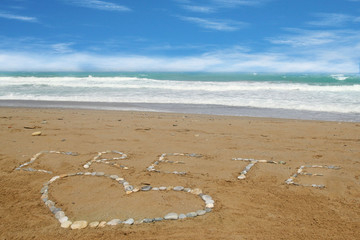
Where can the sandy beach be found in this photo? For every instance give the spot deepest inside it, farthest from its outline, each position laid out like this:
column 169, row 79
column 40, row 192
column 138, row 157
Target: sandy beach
column 261, row 206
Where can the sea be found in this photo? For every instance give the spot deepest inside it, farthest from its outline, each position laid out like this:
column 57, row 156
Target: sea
column 328, row 97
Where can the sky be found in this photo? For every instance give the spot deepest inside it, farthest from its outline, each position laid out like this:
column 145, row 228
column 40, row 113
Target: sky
column 180, row 35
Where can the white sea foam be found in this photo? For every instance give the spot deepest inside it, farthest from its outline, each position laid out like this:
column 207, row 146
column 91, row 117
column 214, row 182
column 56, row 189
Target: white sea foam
column 339, row 77
column 134, row 83
column 285, row 95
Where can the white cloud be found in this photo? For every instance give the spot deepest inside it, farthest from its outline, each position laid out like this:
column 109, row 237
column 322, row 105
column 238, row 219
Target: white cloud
column 229, row 60
column 171, row 47
column 100, row 5
column 18, row 17
column 235, row 3
column 296, row 51
column 304, row 38
column 62, row 48
column 333, row 20
column 215, row 24
column 200, row 9
column 11, row 61
column 212, row 6
column 336, row 50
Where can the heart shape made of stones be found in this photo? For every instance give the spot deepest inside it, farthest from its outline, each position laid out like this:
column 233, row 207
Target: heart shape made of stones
column 65, row 222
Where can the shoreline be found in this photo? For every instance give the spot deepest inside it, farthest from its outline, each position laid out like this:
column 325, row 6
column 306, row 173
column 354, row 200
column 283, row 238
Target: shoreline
column 219, row 110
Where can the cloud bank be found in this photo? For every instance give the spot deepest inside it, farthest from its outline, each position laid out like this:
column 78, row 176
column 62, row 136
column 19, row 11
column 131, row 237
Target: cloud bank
column 220, row 61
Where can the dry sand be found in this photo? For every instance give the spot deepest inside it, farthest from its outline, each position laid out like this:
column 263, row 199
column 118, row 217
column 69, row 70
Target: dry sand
column 260, row 207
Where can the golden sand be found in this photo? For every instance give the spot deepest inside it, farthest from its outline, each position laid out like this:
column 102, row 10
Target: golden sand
column 262, row 206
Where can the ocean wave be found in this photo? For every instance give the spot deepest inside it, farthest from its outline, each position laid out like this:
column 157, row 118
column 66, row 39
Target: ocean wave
column 138, row 83
column 265, row 102
column 259, row 94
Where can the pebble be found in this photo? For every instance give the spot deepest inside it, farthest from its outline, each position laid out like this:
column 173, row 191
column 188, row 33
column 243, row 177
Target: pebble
column 63, row 219
column 129, row 188
column 194, row 155
column 49, row 203
column 100, row 174
column 44, row 189
column 146, row 188
column 54, row 209
column 102, row 224
column 54, row 178
column 138, row 222
column 114, row 222
column 36, row 133
column 155, row 189
column 206, row 198
column 209, row 205
column 162, row 188
column 209, row 201
column 182, row 216
column 196, row 191
column 59, row 214
column 191, row 214
column 241, row 177
column 178, row 188
column 200, row 212
column 171, row 216
column 66, row 224
column 114, row 177
column 93, row 224
column 158, row 219
column 130, row 221
column 148, row 220
column 79, row 225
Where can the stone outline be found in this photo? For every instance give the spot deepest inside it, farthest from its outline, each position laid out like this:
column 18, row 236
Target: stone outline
column 162, row 159
column 252, row 163
column 97, row 159
column 300, row 171
column 66, row 223
column 36, row 156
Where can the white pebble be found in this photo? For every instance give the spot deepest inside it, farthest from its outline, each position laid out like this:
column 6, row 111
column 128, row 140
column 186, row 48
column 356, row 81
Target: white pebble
column 79, row 225
column 66, row 224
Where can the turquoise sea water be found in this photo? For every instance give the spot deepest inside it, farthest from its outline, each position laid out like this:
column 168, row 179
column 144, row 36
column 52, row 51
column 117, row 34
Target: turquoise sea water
column 311, row 78
column 321, row 93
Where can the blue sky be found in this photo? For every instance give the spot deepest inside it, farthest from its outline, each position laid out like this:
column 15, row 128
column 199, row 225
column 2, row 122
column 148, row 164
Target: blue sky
column 180, row 35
